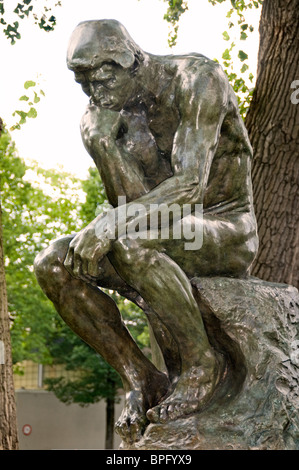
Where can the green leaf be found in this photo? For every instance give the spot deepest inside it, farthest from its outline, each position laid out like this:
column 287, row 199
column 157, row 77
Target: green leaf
column 29, row 84
column 226, row 55
column 22, row 115
column 24, row 98
column 36, row 98
column 32, row 113
column 244, row 68
column 226, row 36
column 242, row 56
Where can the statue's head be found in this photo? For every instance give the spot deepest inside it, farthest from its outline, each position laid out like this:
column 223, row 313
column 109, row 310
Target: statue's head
column 104, row 59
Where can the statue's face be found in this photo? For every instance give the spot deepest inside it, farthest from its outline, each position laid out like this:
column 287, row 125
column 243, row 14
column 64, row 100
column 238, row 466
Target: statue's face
column 108, row 85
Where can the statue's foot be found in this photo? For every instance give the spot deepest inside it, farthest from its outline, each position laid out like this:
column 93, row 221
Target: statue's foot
column 133, row 421
column 193, row 392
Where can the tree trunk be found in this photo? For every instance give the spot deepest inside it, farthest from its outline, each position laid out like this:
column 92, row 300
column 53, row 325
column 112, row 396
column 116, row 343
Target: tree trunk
column 110, row 412
column 273, row 124
column 8, row 420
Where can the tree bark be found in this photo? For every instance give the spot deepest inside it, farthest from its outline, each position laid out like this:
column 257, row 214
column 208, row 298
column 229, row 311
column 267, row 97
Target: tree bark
column 8, row 419
column 273, row 124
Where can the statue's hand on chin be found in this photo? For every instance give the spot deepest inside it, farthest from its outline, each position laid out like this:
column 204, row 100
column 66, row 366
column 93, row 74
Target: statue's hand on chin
column 100, row 126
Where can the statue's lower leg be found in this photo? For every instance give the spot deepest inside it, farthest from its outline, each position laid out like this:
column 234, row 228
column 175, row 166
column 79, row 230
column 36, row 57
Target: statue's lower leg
column 94, row 316
column 168, row 291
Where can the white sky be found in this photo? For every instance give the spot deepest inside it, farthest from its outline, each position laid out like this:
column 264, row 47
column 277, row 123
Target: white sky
column 53, row 138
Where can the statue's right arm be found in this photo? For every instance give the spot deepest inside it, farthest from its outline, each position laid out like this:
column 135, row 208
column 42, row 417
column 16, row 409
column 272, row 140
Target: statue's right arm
column 121, row 173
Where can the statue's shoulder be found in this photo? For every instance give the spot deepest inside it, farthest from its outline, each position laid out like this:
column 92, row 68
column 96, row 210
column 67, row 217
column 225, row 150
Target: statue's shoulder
column 192, row 63
column 190, row 69
column 196, row 72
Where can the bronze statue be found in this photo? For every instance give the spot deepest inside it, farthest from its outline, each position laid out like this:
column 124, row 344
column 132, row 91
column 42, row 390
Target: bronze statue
column 160, row 129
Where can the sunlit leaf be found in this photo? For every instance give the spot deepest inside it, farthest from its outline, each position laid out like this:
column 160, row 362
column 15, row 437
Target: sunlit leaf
column 28, row 84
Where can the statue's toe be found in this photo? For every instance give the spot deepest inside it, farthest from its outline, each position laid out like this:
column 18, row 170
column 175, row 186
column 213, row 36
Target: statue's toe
column 153, row 414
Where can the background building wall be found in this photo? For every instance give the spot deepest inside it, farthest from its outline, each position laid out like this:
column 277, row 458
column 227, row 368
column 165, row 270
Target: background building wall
column 55, row 425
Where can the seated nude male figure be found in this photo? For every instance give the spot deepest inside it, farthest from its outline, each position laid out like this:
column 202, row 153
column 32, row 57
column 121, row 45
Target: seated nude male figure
column 161, row 129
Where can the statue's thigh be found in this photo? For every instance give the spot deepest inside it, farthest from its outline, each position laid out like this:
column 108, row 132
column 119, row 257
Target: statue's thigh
column 110, row 279
column 211, row 245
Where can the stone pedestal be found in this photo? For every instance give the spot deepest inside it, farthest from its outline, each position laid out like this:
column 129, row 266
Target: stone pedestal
column 255, row 325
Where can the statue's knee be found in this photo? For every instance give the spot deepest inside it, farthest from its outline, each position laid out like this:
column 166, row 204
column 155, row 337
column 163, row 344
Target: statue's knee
column 48, row 264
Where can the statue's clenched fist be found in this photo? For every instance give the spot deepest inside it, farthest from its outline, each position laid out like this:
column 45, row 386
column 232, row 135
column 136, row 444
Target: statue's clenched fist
column 101, row 126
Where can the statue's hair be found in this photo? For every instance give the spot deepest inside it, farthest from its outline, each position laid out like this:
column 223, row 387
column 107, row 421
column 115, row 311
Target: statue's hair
column 95, row 41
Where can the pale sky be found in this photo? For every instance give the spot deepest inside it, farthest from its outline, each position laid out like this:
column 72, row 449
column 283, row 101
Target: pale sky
column 53, row 138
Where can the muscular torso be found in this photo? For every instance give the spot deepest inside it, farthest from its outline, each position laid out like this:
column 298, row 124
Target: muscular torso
column 141, row 144
column 149, row 139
